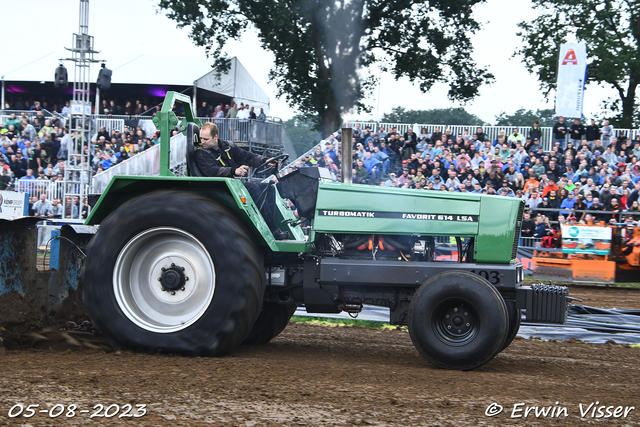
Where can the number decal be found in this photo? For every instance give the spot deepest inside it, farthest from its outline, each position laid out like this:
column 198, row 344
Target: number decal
column 492, row 276
column 495, row 277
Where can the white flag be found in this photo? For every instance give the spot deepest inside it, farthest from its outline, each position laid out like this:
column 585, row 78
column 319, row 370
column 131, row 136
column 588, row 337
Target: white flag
column 572, row 67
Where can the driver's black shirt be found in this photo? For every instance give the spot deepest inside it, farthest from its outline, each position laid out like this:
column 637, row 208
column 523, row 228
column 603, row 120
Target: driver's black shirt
column 223, row 160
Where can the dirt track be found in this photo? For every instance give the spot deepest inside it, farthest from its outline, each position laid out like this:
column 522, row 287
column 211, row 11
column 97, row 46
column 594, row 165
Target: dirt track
column 313, row 375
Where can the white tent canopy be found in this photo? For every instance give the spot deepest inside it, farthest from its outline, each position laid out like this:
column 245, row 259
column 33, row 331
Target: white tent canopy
column 237, row 83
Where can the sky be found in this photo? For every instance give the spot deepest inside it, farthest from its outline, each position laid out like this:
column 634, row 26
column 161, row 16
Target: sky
column 124, row 30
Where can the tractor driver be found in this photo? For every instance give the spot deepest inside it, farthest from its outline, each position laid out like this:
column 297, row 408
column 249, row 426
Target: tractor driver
column 218, row 158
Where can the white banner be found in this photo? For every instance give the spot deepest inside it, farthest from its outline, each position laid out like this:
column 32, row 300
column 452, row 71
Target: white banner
column 13, row 204
column 572, row 68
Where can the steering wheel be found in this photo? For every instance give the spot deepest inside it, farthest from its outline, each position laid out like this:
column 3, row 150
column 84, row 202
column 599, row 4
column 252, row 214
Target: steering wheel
column 263, row 167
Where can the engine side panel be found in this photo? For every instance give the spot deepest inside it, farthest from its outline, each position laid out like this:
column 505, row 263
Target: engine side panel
column 359, row 209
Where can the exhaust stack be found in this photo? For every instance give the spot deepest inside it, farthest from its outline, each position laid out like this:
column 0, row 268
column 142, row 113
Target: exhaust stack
column 347, row 155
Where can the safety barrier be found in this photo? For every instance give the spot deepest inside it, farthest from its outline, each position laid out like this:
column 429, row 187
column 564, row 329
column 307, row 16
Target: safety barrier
column 30, row 115
column 52, row 189
column 35, row 188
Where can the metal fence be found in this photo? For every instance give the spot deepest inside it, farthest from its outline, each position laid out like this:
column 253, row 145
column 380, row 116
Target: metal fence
column 109, row 125
column 491, row 131
column 53, row 189
column 530, row 242
column 30, row 115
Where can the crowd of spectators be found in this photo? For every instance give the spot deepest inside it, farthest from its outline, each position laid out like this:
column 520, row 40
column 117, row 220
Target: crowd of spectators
column 34, row 151
column 37, row 150
column 591, row 173
column 38, row 141
column 34, row 148
column 148, row 106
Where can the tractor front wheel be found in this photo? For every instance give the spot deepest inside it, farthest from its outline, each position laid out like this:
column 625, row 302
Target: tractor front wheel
column 457, row 320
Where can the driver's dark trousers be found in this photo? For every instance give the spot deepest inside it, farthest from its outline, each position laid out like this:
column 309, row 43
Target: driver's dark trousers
column 264, row 196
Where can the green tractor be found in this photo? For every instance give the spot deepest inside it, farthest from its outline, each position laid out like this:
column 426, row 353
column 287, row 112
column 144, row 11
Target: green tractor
column 188, row 265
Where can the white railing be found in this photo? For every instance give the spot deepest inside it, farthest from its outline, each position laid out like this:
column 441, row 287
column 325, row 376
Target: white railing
column 109, row 125
column 30, row 115
column 53, row 189
column 491, row 131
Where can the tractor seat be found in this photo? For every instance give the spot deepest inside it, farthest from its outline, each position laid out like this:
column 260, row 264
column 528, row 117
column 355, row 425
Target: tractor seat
column 193, row 143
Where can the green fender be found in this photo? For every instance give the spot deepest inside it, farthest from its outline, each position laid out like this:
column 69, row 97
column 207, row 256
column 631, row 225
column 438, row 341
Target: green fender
column 228, row 191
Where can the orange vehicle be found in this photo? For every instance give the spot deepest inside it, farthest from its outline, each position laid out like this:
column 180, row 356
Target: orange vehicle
column 592, row 260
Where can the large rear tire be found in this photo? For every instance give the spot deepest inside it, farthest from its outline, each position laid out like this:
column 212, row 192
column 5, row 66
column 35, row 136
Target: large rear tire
column 174, row 271
column 457, row 320
column 270, row 323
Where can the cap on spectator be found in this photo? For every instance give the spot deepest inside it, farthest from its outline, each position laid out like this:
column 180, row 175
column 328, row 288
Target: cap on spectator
column 573, row 218
column 605, row 186
column 597, row 153
column 535, row 139
column 545, row 200
column 505, row 189
column 382, row 139
column 392, row 174
column 621, row 164
column 18, row 151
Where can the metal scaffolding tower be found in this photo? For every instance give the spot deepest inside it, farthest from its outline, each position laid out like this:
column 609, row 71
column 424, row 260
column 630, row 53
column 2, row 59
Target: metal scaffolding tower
column 77, row 168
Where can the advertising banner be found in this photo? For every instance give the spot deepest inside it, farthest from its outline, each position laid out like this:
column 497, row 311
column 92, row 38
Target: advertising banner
column 572, row 71
column 586, row 240
column 13, row 204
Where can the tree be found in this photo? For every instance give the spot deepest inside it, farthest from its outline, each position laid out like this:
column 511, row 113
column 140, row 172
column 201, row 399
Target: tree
column 611, row 30
column 546, row 117
column 439, row 116
column 322, row 46
column 302, row 134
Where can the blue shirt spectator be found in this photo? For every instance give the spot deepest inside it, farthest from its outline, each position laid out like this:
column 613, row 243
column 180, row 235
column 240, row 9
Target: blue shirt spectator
column 568, row 204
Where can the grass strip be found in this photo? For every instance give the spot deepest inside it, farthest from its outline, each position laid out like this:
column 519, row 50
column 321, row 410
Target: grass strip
column 325, row 321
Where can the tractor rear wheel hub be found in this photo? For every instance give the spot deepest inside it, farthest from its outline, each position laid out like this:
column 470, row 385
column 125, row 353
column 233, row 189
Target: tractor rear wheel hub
column 173, row 279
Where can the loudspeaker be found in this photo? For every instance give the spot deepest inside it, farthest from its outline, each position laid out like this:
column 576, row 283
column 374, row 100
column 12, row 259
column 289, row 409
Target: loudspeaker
column 61, row 79
column 104, row 78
